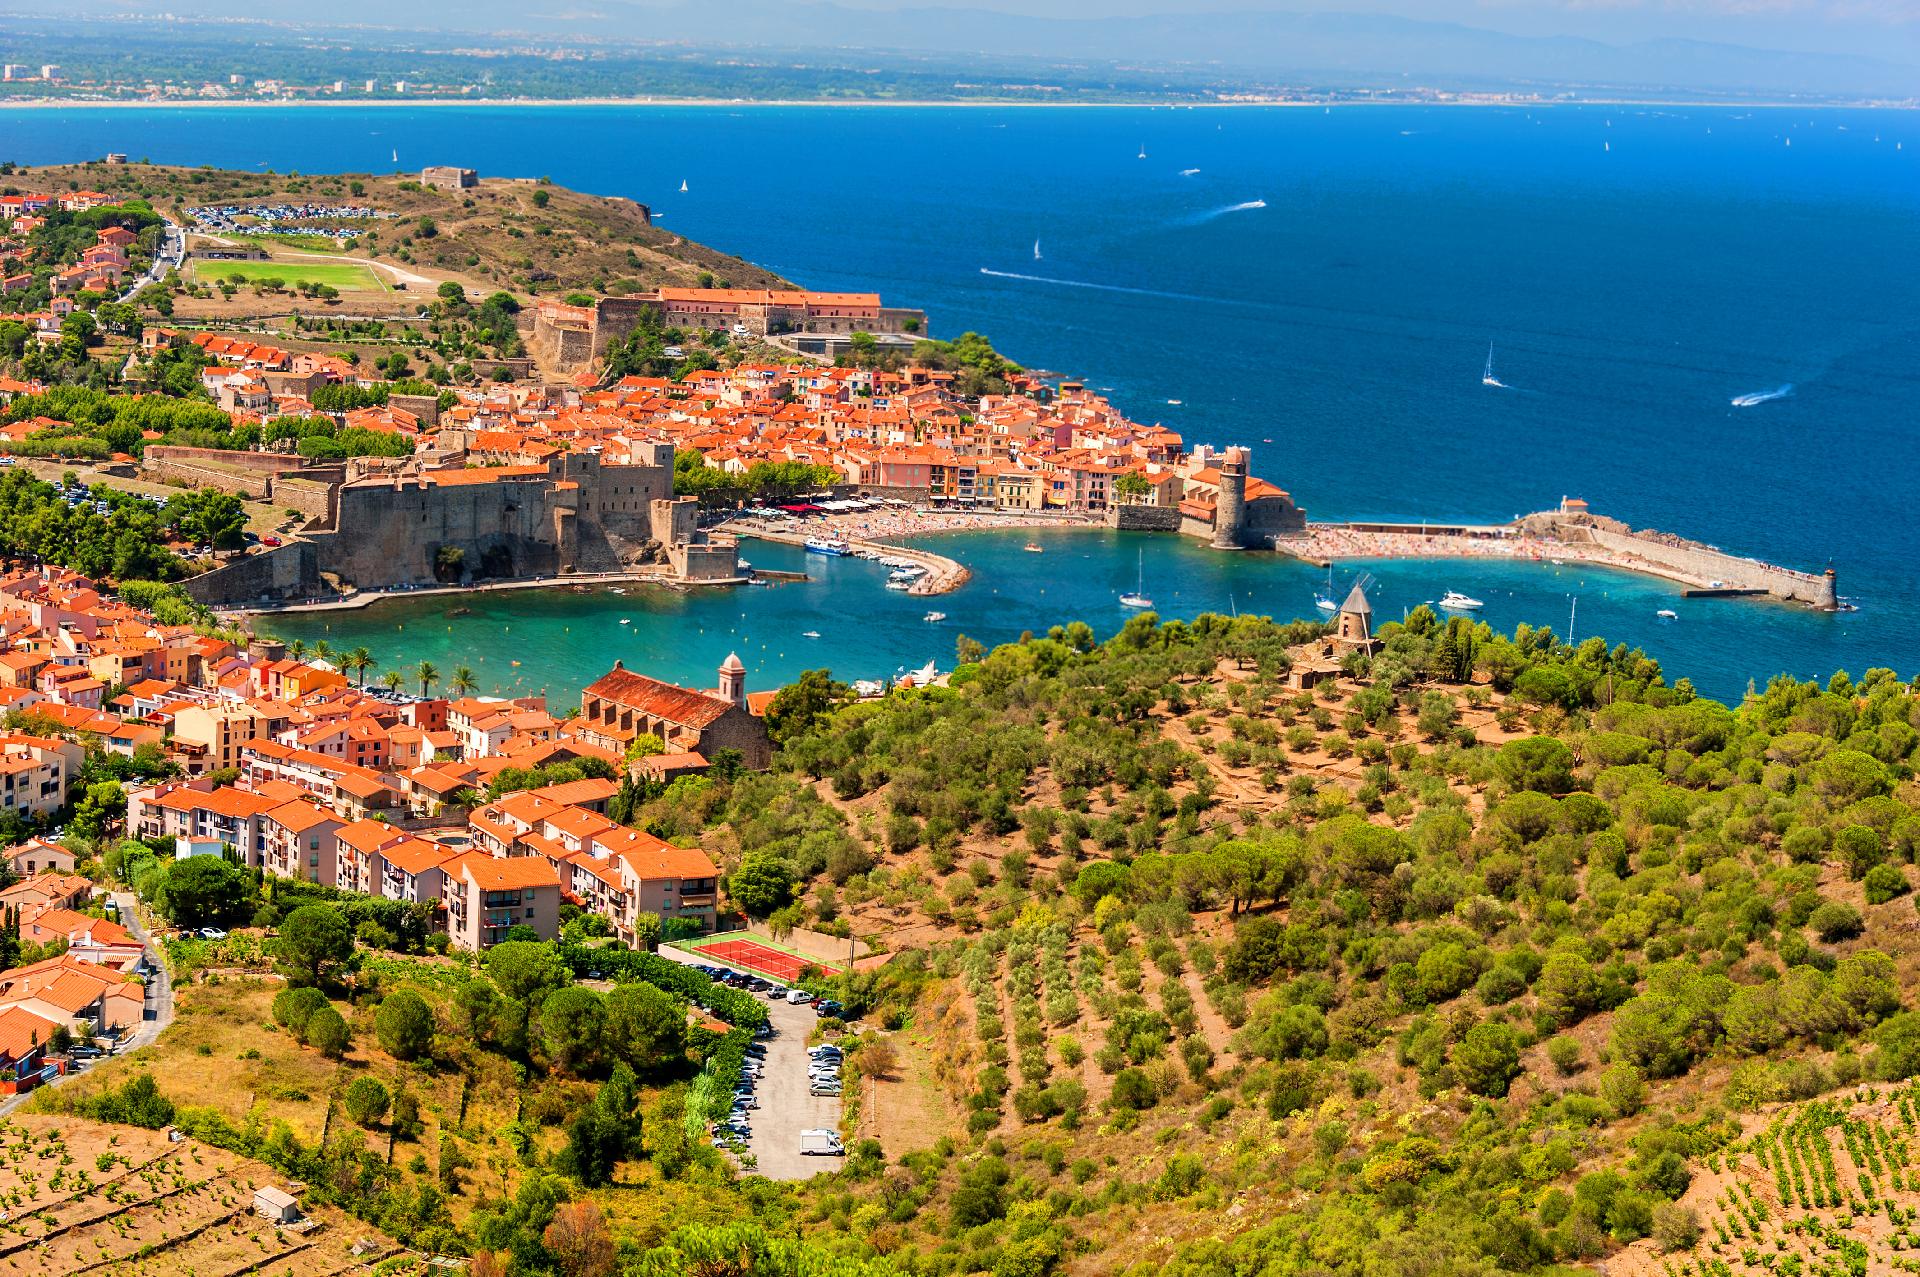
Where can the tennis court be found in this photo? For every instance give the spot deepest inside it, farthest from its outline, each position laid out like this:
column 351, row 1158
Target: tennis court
column 750, row 955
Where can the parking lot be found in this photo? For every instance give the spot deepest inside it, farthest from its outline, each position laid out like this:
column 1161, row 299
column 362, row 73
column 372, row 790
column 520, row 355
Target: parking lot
column 785, row 1107
column 782, row 1090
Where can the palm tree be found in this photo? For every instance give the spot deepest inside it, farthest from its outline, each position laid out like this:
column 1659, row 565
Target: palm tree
column 360, row 660
column 323, row 651
column 428, row 675
column 296, row 648
column 393, row 680
column 462, row 680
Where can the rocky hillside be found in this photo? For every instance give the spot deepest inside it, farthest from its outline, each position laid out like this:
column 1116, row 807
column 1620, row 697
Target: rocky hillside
column 522, row 235
column 1493, row 954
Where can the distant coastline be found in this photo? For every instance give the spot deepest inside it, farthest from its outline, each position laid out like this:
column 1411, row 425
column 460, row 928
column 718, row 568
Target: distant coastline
column 142, row 104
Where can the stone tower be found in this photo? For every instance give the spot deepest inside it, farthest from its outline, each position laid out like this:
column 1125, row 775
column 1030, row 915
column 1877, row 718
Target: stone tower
column 733, row 680
column 1353, row 632
column 1230, row 508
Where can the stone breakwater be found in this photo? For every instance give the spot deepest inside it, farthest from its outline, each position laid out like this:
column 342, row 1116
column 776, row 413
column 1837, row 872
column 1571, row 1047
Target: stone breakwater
column 1570, row 536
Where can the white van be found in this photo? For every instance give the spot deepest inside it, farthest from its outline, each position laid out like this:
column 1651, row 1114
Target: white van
column 797, row 996
column 821, row 1142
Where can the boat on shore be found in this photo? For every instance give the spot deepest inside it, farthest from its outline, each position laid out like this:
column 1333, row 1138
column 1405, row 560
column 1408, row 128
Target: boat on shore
column 1454, row 601
column 832, row 546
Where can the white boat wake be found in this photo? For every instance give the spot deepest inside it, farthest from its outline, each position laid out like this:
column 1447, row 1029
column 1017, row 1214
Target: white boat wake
column 1762, row 396
column 1081, row 283
column 1246, row 206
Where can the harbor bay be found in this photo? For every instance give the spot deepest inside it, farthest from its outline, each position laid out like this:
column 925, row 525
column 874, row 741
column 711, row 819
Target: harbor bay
column 1321, row 288
column 556, row 641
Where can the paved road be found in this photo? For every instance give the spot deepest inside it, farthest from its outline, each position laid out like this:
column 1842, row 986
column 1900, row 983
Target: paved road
column 159, row 997
column 159, row 984
column 171, row 249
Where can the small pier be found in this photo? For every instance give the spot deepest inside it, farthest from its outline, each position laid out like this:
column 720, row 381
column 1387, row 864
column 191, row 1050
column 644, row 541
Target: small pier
column 942, row 575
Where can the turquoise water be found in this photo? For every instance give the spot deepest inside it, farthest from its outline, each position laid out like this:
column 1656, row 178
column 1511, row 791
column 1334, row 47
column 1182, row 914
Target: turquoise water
column 1322, row 288
column 564, row 640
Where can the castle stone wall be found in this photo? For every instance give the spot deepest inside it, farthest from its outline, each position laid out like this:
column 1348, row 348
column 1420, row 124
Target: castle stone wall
column 266, row 576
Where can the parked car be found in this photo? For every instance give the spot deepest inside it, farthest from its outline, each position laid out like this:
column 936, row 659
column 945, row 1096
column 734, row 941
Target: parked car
column 796, row 997
column 212, row 933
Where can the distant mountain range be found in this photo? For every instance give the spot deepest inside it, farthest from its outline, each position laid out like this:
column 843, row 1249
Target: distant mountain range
column 1330, row 49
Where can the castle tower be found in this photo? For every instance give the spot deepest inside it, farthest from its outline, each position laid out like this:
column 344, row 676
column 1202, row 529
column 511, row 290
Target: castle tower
column 733, row 680
column 1230, row 507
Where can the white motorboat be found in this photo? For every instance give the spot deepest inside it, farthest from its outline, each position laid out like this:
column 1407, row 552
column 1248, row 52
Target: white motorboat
column 809, row 633
column 899, row 584
column 934, row 618
column 1667, row 614
column 829, row 546
column 1454, row 601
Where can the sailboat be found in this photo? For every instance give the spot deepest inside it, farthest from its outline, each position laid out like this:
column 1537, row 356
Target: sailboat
column 1036, row 250
column 1138, row 596
column 1143, row 150
column 396, row 155
column 1487, row 378
column 1325, row 601
column 683, row 186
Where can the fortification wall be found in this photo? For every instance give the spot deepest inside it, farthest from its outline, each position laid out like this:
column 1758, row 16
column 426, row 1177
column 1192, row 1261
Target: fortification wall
column 268, row 576
column 258, row 462
column 392, row 535
column 239, row 482
column 1267, row 517
column 1144, row 518
column 307, row 496
column 614, row 318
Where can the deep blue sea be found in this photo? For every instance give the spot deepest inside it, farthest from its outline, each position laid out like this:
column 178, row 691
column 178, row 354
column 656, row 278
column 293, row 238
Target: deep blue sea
column 1323, row 287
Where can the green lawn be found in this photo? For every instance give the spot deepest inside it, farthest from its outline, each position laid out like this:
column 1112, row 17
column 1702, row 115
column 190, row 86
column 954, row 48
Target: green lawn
column 348, row 277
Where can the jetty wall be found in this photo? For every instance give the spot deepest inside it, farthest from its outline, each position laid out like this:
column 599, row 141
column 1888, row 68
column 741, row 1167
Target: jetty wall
column 1705, row 564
